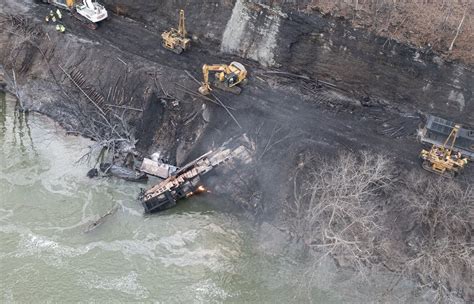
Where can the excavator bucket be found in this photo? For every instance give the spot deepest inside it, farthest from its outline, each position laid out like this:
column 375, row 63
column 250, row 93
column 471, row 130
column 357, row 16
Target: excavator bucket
column 204, row 89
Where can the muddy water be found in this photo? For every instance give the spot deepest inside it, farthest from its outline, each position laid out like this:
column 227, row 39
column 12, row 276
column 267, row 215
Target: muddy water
column 191, row 254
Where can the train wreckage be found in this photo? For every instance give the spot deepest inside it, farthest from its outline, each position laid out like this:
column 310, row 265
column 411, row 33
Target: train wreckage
column 185, row 181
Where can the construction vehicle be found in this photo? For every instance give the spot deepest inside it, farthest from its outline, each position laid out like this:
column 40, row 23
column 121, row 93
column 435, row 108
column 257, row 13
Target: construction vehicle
column 440, row 158
column 175, row 39
column 227, row 77
column 88, row 12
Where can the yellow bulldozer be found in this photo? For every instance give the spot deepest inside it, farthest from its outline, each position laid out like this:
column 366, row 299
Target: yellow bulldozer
column 441, row 160
column 227, row 77
column 176, row 40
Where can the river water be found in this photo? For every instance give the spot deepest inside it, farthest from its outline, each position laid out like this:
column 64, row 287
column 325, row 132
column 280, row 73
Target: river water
column 194, row 253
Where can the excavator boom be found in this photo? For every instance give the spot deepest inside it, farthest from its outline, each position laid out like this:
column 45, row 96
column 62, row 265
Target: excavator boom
column 205, row 89
column 452, row 138
column 181, row 26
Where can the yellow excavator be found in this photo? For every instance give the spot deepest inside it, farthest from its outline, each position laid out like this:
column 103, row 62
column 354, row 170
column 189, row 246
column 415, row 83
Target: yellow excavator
column 176, row 40
column 440, row 159
column 227, row 77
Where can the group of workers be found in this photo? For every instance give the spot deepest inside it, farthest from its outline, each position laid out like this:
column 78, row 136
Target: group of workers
column 56, row 16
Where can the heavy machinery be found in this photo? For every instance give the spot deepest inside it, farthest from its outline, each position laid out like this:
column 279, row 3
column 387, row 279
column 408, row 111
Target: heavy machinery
column 440, row 158
column 227, row 77
column 88, row 12
column 175, row 39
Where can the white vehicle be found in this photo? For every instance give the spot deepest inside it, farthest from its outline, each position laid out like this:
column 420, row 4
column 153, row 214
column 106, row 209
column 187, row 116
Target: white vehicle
column 88, row 11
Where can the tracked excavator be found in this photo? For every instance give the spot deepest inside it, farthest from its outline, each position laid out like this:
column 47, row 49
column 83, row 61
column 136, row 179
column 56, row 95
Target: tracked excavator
column 440, row 158
column 227, row 77
column 88, row 12
column 176, row 40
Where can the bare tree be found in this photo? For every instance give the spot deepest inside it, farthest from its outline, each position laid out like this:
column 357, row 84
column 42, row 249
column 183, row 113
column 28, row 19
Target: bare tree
column 337, row 206
column 356, row 210
column 441, row 215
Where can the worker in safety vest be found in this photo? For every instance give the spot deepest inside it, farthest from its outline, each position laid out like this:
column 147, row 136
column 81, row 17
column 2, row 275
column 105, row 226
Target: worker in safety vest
column 51, row 16
column 60, row 28
column 59, row 14
column 54, row 16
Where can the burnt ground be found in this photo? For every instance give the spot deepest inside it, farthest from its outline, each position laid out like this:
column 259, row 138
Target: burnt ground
column 283, row 117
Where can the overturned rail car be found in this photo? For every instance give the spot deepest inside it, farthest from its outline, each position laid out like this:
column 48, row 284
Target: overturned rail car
column 437, row 129
column 185, row 181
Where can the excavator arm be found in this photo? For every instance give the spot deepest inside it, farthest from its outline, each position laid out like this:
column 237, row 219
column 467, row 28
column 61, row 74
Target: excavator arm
column 205, row 88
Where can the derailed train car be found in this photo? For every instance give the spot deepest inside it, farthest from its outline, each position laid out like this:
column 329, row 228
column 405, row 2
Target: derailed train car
column 185, row 182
